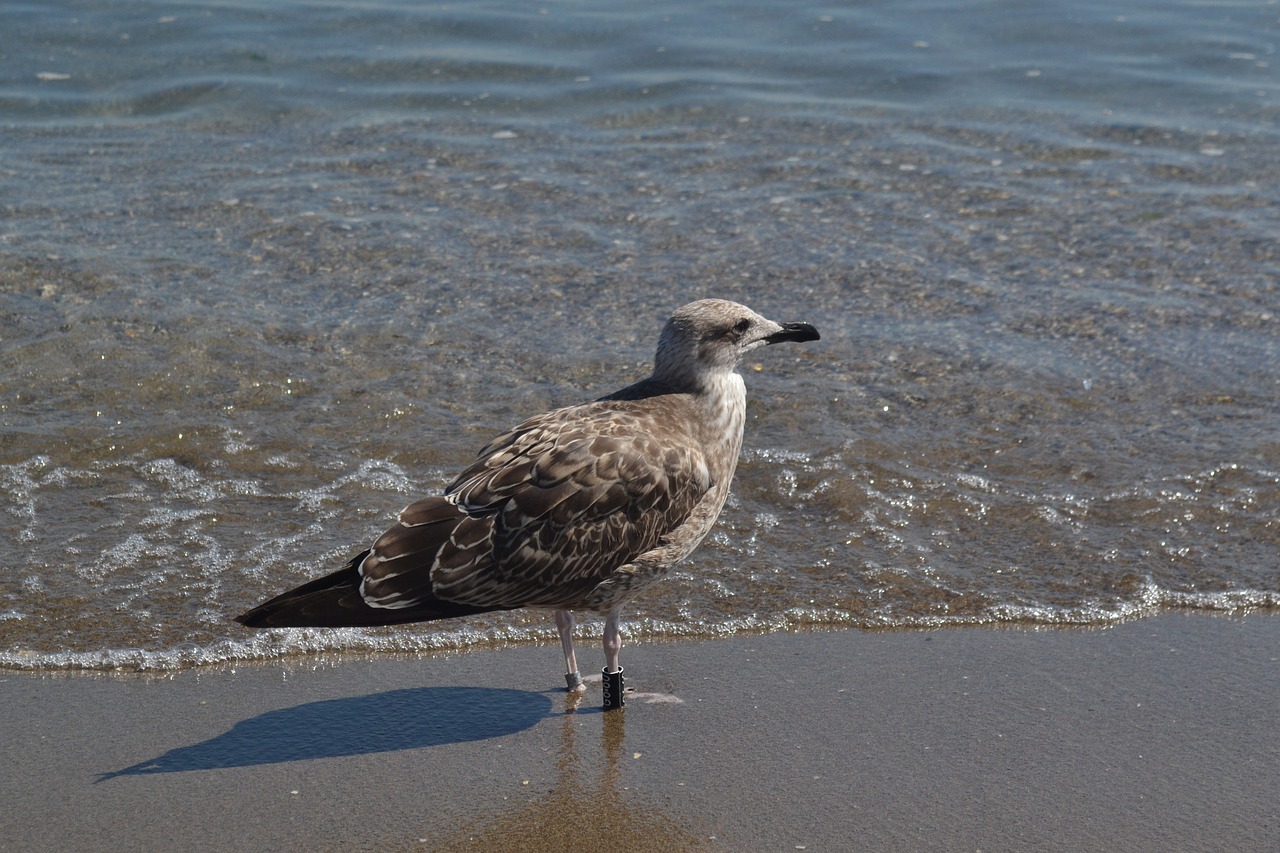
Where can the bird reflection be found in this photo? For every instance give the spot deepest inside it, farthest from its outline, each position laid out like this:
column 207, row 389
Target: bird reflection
column 579, row 812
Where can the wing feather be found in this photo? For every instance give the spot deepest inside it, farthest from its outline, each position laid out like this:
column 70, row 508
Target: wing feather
column 544, row 514
column 572, row 497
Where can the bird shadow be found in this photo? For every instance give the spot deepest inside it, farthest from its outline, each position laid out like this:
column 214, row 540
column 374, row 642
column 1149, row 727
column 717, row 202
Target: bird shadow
column 380, row 722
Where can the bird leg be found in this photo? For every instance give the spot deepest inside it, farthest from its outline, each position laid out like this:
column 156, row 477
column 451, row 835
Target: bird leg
column 613, row 680
column 572, row 678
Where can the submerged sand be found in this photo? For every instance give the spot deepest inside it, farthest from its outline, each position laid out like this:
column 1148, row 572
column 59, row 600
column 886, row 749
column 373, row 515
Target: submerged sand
column 1158, row 734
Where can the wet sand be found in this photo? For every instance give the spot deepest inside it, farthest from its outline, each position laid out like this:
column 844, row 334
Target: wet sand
column 1155, row 734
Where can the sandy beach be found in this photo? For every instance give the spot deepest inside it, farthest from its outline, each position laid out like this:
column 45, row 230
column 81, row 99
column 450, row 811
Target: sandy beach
column 1158, row 734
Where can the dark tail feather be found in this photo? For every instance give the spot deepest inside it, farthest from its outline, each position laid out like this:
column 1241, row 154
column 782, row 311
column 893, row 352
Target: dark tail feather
column 334, row 601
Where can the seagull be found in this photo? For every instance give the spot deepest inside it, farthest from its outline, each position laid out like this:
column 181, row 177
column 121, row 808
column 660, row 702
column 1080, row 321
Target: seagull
column 580, row 508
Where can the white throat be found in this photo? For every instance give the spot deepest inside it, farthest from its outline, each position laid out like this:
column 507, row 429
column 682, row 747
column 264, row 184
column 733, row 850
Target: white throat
column 725, row 396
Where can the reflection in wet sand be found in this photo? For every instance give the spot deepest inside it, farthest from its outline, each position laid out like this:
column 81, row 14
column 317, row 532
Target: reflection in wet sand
column 588, row 803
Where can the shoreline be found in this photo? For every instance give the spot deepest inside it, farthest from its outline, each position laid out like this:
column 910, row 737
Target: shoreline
column 1151, row 734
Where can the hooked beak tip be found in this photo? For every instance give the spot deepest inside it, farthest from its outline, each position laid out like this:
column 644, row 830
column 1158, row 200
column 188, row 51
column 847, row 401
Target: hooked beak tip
column 797, row 332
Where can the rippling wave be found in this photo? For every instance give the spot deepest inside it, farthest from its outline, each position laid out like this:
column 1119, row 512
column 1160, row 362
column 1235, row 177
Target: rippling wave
column 163, row 554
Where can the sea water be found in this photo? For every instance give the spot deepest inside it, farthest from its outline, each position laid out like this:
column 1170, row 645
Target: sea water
column 270, row 271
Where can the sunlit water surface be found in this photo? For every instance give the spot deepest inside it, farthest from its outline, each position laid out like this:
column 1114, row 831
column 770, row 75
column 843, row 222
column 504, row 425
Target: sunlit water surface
column 270, row 271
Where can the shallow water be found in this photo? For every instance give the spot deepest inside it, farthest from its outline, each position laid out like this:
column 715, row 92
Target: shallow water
column 268, row 274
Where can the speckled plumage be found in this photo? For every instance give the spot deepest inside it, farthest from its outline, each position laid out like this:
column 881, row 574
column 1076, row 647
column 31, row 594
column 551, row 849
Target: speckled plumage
column 575, row 509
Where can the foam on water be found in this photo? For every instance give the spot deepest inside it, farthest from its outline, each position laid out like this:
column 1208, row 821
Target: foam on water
column 169, row 556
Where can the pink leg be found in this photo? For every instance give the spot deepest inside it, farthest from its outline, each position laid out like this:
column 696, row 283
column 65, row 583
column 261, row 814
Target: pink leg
column 613, row 683
column 564, row 622
column 612, row 641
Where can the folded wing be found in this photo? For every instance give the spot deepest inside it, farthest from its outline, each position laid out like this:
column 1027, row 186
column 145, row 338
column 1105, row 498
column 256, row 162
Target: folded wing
column 547, row 511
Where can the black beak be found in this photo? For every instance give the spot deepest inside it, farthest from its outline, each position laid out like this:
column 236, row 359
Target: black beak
column 797, row 332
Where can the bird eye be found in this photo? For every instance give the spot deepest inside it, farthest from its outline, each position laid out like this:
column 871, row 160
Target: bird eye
column 742, row 325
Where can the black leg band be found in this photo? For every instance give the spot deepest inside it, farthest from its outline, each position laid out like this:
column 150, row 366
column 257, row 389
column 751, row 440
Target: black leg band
column 613, row 686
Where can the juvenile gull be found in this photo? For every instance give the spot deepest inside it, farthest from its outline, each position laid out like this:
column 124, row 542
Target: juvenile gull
column 576, row 509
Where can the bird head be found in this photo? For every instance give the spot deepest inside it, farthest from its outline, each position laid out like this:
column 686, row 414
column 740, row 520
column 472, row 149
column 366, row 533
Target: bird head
column 709, row 337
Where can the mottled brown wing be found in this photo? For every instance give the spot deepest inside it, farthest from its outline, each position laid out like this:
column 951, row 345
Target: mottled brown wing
column 396, row 572
column 567, row 499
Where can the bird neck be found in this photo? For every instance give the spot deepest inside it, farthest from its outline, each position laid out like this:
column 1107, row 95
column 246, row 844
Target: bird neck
column 724, row 399
column 719, row 395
